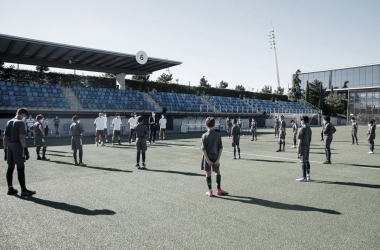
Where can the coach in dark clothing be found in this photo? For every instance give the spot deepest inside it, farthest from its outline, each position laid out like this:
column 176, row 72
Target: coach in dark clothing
column 152, row 127
column 328, row 132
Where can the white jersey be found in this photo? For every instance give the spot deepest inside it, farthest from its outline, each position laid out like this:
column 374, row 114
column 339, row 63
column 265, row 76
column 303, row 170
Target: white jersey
column 99, row 123
column 132, row 122
column 163, row 123
column 30, row 122
column 105, row 122
column 116, row 124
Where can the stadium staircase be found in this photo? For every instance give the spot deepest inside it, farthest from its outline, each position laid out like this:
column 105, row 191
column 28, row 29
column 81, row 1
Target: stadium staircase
column 209, row 104
column 72, row 99
column 157, row 107
column 308, row 105
column 246, row 102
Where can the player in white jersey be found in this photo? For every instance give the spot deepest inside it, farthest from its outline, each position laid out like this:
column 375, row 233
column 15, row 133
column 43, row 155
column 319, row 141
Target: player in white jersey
column 116, row 123
column 29, row 123
column 162, row 122
column 132, row 122
column 99, row 125
column 105, row 126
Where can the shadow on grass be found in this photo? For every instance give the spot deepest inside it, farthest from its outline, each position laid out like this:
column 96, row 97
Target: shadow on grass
column 276, row 205
column 354, row 184
column 175, row 172
column 261, row 160
column 359, row 165
column 91, row 167
column 56, row 151
column 60, row 155
column 67, row 207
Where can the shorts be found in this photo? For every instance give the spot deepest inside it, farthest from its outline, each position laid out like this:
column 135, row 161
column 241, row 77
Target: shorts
column 16, row 153
column 353, row 133
column 141, row 144
column 253, row 131
column 370, row 141
column 236, row 141
column 282, row 135
column 163, row 130
column 328, row 140
column 105, row 131
column 304, row 156
column 116, row 133
column 76, row 143
column 206, row 167
column 99, row 132
column 39, row 141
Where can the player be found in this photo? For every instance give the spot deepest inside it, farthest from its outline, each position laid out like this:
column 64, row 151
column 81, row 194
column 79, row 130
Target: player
column 56, row 126
column 282, row 134
column 162, row 122
column 235, row 134
column 304, row 139
column 105, row 126
column 295, row 129
column 141, row 146
column 132, row 123
column 371, row 136
column 29, row 123
column 328, row 132
column 276, row 127
column 16, row 151
column 229, row 127
column 99, row 125
column 39, row 140
column 153, row 123
column 240, row 124
column 77, row 132
column 116, row 123
column 323, row 128
column 254, row 129
column 354, row 131
column 211, row 145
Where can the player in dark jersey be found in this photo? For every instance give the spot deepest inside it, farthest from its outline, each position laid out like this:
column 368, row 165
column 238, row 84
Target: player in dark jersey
column 354, row 131
column 16, row 151
column 77, row 132
column 141, row 146
column 276, row 127
column 211, row 145
column 328, row 132
column 282, row 134
column 295, row 128
column 304, row 139
column 371, row 136
column 254, row 129
column 229, row 126
column 235, row 134
column 39, row 140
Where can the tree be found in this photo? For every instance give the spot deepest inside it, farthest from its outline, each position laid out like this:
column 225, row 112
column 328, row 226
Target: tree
column 165, row 78
column 239, row 88
column 7, row 73
column 336, row 103
column 320, row 101
column 295, row 92
column 332, row 89
column 108, row 75
column 317, row 94
column 222, row 85
column 279, row 91
column 266, row 90
column 204, row 83
column 141, row 78
column 307, row 92
column 42, row 70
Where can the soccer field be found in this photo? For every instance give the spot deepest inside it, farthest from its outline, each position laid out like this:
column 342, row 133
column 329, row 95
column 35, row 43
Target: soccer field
column 109, row 204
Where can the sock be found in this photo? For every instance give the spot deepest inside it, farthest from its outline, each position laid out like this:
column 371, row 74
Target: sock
column 371, row 147
column 280, row 143
column 329, row 155
column 38, row 151
column 283, row 148
column 119, row 141
column 294, row 140
column 308, row 168
column 143, row 157
column 218, row 179
column 356, row 139
column 43, row 152
column 256, row 137
column 253, row 136
column 80, row 155
column 303, row 164
column 352, row 139
column 234, row 151
column 239, row 151
column 75, row 155
column 113, row 141
column 138, row 157
column 21, row 176
column 11, row 168
column 208, row 180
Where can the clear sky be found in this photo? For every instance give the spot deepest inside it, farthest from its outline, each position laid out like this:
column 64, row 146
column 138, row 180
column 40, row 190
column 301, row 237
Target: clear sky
column 218, row 39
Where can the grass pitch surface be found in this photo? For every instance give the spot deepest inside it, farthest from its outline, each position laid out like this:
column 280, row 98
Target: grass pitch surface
column 111, row 205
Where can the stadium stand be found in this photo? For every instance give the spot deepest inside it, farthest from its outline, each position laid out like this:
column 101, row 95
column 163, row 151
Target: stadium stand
column 293, row 107
column 180, row 102
column 229, row 104
column 103, row 98
column 17, row 94
column 265, row 106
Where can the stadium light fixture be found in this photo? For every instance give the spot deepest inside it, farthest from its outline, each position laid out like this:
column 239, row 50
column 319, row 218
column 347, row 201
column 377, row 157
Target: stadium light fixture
column 272, row 43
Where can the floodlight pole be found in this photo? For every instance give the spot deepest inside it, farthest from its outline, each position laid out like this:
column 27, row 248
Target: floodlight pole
column 272, row 42
column 275, row 57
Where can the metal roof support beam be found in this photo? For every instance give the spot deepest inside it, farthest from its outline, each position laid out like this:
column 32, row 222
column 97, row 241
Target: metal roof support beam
column 121, row 62
column 9, row 47
column 24, row 49
column 38, row 51
column 51, row 53
column 62, row 56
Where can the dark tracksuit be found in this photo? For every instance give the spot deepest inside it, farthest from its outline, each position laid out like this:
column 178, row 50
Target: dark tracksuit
column 328, row 132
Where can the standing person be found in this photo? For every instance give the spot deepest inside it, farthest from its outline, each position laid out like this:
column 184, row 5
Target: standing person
column 56, row 126
column 141, row 133
column 276, row 127
column 323, row 129
column 116, row 124
column 99, row 125
column 29, row 123
column 282, row 134
column 132, row 123
column 229, row 127
column 328, row 132
column 254, row 129
column 304, row 139
column 235, row 134
column 212, row 148
column 371, row 136
column 240, row 124
column 39, row 140
column 153, row 123
column 162, row 122
column 46, row 126
column 16, row 151
column 105, row 126
column 354, row 131
column 295, row 128
column 77, row 132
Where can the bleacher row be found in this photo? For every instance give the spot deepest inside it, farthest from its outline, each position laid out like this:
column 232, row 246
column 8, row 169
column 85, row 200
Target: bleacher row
column 16, row 94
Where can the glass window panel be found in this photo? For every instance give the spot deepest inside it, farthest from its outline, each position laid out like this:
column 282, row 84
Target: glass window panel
column 327, row 79
column 350, row 78
column 362, row 77
column 344, row 78
column 338, row 79
column 376, row 75
column 321, row 77
column 368, row 76
column 369, row 102
column 333, row 78
column 356, row 77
